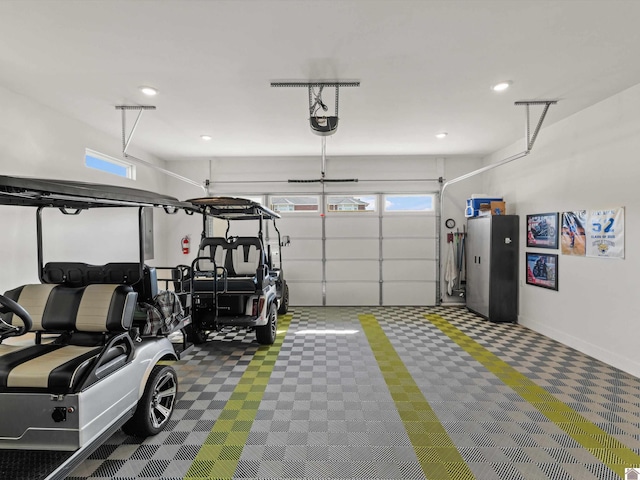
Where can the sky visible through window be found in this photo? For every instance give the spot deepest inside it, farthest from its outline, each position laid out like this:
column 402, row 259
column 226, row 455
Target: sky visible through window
column 408, row 203
column 106, row 166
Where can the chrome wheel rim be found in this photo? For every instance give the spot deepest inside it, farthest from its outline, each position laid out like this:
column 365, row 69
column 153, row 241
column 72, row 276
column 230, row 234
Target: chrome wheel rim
column 163, row 399
column 274, row 323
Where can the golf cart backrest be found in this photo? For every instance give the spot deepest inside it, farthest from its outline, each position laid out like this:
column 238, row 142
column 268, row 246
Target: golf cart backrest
column 240, row 256
column 247, row 256
column 154, row 314
column 78, row 274
column 59, row 308
column 215, row 250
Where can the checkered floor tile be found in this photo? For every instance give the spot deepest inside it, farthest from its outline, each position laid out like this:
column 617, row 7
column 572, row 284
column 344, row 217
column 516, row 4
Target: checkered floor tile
column 327, row 412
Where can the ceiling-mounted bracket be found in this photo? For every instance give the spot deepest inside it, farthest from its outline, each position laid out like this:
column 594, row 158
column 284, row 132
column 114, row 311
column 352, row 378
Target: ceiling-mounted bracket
column 126, row 141
column 123, row 108
column 527, row 103
column 322, row 125
column 318, row 83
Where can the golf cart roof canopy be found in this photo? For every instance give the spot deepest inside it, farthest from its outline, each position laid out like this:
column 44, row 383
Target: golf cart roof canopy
column 231, row 208
column 38, row 192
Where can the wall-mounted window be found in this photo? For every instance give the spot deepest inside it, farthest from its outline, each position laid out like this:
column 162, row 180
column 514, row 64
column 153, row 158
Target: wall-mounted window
column 294, row 203
column 104, row 163
column 409, row 203
column 351, row 203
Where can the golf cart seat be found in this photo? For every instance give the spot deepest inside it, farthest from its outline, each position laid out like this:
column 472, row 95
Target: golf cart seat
column 240, row 258
column 212, row 253
column 158, row 312
column 92, row 323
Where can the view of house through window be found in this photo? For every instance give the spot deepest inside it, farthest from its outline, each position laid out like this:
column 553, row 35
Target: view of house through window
column 351, row 203
column 295, row 203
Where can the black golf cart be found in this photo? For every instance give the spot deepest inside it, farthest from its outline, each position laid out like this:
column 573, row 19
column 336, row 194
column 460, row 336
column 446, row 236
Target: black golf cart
column 235, row 281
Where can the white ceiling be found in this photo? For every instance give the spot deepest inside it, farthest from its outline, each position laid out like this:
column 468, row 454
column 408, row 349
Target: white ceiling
column 424, row 66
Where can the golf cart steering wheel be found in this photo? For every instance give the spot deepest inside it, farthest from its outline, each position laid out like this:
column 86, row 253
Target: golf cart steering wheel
column 7, row 330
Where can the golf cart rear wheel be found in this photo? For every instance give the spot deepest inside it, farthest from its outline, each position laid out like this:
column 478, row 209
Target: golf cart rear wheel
column 266, row 334
column 284, row 300
column 156, row 404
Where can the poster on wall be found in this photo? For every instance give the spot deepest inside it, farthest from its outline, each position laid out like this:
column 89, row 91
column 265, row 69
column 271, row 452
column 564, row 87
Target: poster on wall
column 573, row 235
column 542, row 230
column 542, row 270
column 605, row 233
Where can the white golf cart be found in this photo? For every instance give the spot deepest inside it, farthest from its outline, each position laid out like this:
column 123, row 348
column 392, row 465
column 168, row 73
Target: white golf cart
column 85, row 351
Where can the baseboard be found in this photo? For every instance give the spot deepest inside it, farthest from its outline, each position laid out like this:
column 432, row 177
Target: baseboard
column 626, row 364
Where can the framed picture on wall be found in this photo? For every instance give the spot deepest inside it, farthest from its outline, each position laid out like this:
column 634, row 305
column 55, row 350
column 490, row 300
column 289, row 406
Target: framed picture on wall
column 542, row 270
column 542, row 230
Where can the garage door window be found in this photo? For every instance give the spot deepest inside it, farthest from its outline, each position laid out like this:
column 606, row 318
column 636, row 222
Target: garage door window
column 296, row 203
column 409, row 203
column 351, row 203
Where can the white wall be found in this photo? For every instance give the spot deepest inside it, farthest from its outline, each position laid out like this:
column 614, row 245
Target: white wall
column 40, row 142
column 587, row 161
column 182, row 224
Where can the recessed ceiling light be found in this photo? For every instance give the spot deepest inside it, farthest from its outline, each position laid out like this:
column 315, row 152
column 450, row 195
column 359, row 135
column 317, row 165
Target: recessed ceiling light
column 150, row 91
column 441, row 134
column 502, row 86
column 205, row 137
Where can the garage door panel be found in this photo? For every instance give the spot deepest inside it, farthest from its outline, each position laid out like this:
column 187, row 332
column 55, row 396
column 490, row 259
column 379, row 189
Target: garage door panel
column 398, row 225
column 353, row 293
column 409, row 293
column 300, row 226
column 352, row 248
column 303, row 270
column 305, row 293
column 302, row 249
column 407, row 248
column 350, row 225
column 352, row 270
column 248, row 228
column 410, row 270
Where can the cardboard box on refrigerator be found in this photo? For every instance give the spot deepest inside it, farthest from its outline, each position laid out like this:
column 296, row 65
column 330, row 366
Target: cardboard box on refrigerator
column 498, row 208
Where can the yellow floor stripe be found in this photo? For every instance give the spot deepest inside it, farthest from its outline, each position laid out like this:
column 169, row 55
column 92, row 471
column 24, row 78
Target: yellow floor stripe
column 219, row 455
column 438, row 456
column 599, row 443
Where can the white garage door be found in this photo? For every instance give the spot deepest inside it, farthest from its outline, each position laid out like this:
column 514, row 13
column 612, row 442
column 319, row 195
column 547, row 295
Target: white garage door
column 409, row 258
column 381, row 253
column 302, row 259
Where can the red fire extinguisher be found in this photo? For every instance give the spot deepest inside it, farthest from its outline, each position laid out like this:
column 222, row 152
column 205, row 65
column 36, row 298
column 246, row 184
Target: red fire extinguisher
column 185, row 242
